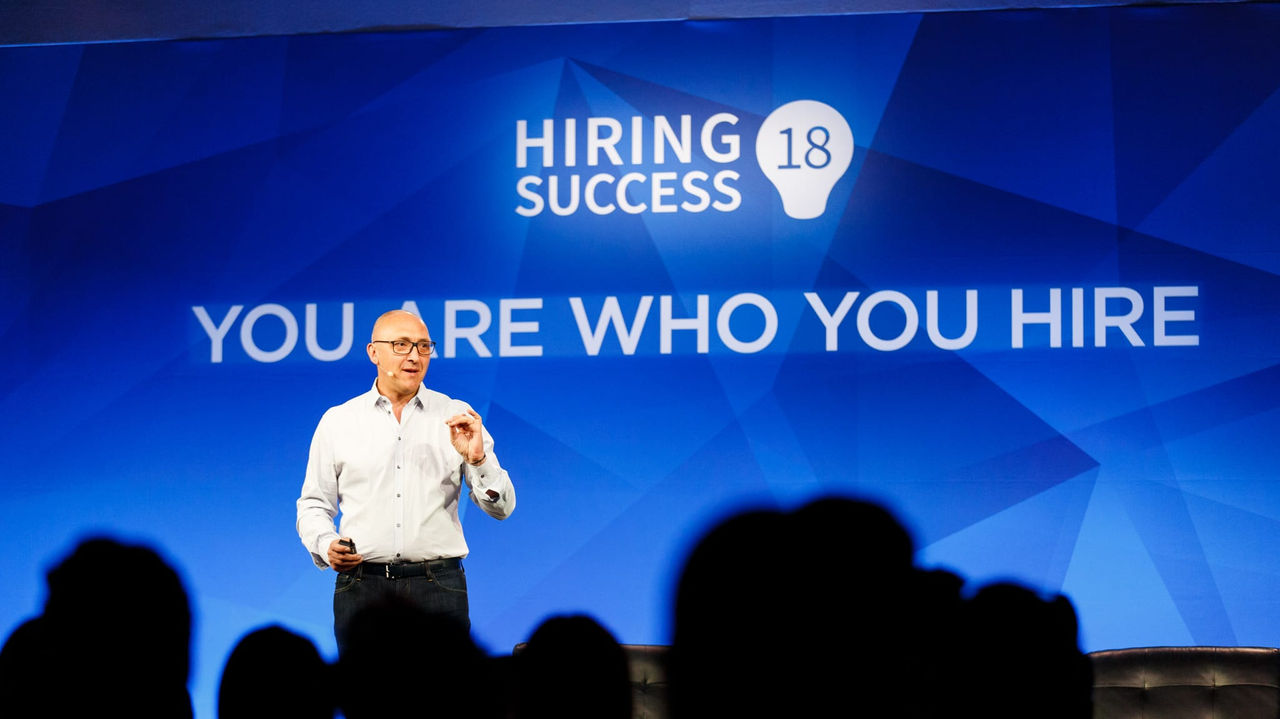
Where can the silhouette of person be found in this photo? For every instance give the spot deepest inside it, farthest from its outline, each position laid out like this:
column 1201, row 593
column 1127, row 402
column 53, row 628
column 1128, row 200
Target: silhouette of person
column 115, row 635
column 275, row 674
column 398, row 657
column 794, row 613
column 573, row 668
column 1030, row 646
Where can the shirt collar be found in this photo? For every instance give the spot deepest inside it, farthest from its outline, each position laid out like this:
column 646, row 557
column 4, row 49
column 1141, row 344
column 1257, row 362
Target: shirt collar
column 378, row 400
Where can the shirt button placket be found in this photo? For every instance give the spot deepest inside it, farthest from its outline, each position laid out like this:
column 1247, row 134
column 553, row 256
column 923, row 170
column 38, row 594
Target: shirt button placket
column 399, row 485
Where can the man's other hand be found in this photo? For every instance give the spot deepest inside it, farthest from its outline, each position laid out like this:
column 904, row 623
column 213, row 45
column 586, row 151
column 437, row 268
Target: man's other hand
column 342, row 558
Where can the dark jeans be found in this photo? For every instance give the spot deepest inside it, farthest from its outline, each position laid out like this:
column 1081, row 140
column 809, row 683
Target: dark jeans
column 442, row 591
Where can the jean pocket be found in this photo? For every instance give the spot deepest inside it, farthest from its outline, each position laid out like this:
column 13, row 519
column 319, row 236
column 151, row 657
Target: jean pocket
column 451, row 579
column 343, row 583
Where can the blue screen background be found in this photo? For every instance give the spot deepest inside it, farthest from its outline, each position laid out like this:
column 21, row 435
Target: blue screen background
column 994, row 151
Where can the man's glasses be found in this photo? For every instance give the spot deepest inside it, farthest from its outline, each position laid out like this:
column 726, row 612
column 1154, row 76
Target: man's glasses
column 404, row 347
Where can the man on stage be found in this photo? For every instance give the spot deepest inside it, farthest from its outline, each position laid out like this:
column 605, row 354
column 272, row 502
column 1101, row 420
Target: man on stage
column 394, row 462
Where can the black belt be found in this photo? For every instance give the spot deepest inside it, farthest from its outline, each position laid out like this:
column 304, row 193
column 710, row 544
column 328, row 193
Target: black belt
column 403, row 570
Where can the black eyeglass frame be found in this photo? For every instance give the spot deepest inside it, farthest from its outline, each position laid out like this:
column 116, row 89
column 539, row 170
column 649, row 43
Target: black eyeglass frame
column 430, row 344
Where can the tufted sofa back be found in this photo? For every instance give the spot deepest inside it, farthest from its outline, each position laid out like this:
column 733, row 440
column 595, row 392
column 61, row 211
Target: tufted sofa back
column 1186, row 683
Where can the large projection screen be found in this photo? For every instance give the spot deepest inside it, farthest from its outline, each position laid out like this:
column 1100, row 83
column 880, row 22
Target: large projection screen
column 1013, row 274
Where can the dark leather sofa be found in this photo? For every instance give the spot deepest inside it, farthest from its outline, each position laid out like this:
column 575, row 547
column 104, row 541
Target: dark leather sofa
column 1142, row 683
column 1186, row 683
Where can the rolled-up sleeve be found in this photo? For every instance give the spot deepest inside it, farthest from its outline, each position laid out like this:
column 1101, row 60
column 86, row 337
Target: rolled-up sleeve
column 491, row 477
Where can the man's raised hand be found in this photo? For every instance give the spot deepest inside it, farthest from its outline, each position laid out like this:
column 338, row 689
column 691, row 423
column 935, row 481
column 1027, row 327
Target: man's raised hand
column 467, row 435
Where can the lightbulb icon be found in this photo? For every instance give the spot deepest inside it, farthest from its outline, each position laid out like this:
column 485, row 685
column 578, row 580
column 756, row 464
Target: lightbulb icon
column 804, row 147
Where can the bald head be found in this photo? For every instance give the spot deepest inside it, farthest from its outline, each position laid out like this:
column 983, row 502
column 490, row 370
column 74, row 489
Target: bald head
column 398, row 318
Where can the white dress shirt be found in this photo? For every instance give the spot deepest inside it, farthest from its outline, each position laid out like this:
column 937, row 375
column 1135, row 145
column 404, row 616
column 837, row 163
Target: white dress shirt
column 397, row 484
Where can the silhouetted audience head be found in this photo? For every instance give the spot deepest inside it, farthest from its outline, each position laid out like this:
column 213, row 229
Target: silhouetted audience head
column 723, row 581
column 275, row 674
column 25, row 668
column 115, row 634
column 398, row 656
column 1027, row 651
column 867, row 534
column 786, row 613
column 573, row 668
